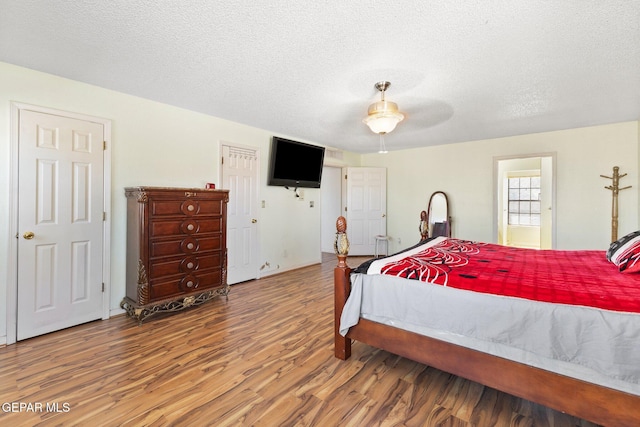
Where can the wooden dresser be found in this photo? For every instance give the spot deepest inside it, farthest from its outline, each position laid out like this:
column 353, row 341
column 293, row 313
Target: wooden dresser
column 176, row 248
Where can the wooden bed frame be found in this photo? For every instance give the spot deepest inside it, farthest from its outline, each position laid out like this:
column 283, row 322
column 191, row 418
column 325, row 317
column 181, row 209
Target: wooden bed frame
column 582, row 399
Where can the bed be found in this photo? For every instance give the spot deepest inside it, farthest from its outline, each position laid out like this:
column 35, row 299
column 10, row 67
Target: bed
column 436, row 303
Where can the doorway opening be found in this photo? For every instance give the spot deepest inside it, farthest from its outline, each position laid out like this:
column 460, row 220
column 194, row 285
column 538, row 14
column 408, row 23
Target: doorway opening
column 524, row 201
column 331, row 196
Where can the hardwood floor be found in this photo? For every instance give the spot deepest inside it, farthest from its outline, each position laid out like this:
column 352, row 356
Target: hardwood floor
column 263, row 358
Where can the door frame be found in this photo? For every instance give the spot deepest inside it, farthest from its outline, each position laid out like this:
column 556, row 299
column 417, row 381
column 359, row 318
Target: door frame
column 330, row 196
column 496, row 195
column 12, row 265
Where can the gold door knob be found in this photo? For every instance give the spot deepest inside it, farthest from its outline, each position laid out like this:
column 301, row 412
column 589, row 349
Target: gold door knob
column 253, row 221
column 28, row 235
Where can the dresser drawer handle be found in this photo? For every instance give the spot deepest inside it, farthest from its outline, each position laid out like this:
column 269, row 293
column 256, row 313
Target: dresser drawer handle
column 189, row 226
column 190, row 282
column 190, row 207
column 189, row 264
column 189, row 245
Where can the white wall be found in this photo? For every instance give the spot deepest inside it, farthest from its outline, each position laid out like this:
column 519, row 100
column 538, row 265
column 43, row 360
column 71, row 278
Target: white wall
column 464, row 171
column 158, row 145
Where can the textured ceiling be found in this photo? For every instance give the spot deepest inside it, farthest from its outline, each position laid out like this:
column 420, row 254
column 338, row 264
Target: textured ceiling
column 459, row 70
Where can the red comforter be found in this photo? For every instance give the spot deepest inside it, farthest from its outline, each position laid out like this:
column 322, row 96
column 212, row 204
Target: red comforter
column 568, row 277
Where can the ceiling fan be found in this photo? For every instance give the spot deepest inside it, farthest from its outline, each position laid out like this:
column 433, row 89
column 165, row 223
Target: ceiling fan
column 383, row 116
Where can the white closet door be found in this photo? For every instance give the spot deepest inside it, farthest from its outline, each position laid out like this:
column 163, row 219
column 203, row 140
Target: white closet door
column 60, row 222
column 240, row 177
column 366, row 207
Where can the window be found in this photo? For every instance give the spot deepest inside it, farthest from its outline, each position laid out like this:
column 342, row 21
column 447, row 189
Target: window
column 524, row 200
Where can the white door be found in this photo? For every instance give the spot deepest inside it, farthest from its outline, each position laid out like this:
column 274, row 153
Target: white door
column 60, row 222
column 366, row 207
column 240, row 177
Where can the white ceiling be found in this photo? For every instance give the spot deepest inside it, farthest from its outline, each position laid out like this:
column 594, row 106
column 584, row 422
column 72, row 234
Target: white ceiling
column 459, row 70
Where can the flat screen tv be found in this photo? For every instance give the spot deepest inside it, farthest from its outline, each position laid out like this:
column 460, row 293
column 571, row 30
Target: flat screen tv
column 295, row 164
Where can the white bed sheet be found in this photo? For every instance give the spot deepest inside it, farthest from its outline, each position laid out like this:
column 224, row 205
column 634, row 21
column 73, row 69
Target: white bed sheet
column 598, row 346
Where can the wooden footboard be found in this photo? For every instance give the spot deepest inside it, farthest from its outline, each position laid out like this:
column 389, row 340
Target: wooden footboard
column 582, row 399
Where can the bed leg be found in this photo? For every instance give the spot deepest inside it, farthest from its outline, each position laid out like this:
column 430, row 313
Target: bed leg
column 342, row 289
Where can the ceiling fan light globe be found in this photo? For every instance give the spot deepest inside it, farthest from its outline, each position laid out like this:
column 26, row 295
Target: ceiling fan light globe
column 383, row 116
column 383, row 123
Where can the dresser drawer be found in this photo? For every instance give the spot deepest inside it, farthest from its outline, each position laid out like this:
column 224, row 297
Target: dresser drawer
column 188, row 245
column 185, row 265
column 187, row 207
column 168, row 287
column 176, row 227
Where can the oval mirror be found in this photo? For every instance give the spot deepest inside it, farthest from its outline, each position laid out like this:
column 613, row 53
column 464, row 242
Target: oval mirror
column 438, row 218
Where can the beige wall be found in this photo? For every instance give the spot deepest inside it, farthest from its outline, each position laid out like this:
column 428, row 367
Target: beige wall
column 158, row 145
column 465, row 172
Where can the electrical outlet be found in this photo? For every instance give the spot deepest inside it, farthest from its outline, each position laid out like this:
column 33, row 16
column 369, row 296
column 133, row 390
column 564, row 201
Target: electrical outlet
column 311, row 204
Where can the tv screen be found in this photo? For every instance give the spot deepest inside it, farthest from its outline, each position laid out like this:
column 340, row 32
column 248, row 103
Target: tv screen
column 295, row 164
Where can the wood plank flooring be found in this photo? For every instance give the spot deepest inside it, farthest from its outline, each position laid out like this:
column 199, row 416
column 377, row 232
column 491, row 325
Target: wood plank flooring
column 264, row 357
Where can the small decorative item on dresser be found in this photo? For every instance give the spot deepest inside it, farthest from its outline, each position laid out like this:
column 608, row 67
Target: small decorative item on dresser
column 176, row 249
